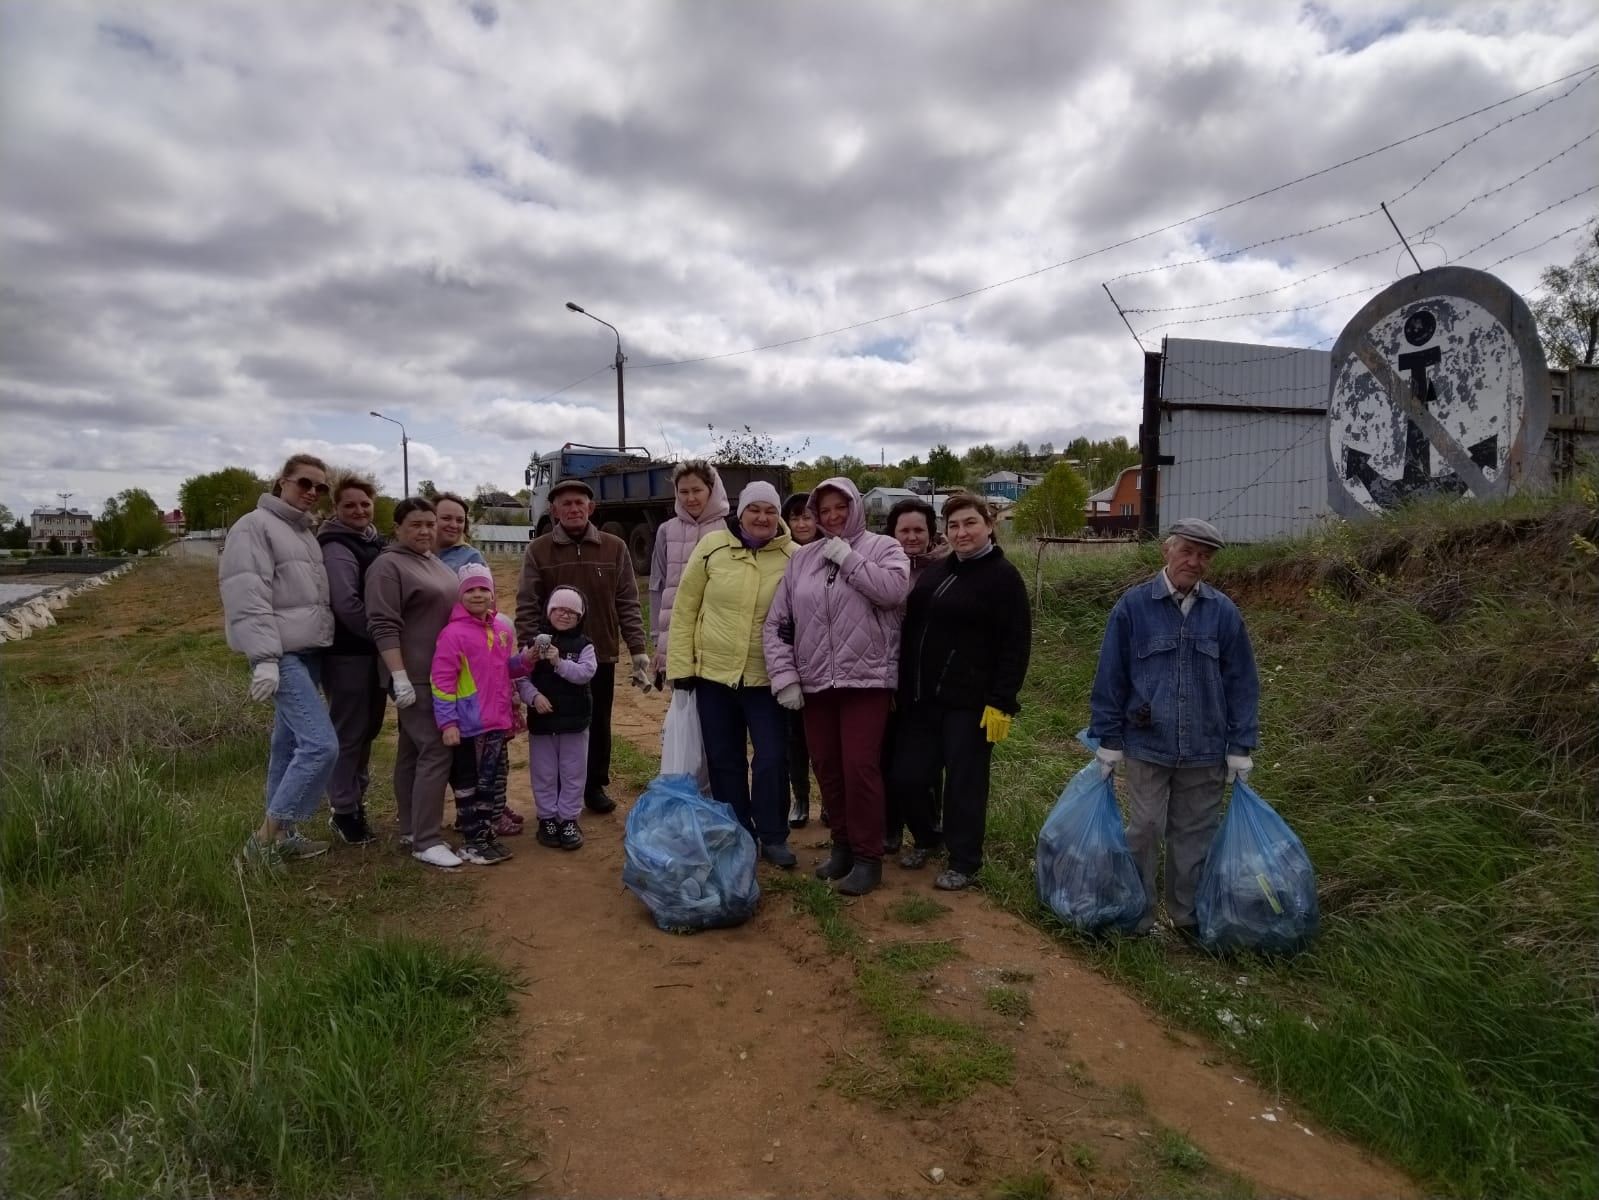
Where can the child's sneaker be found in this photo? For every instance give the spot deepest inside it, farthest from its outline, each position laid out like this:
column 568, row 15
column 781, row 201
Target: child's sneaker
column 571, row 836
column 496, row 849
column 507, row 824
column 511, row 815
column 481, row 853
column 549, row 833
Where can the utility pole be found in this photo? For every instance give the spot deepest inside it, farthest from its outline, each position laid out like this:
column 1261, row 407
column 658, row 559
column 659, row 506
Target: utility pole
column 621, row 411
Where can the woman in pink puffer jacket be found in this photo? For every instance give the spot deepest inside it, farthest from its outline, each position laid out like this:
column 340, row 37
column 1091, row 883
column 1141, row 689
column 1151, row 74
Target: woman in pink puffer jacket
column 701, row 508
column 832, row 648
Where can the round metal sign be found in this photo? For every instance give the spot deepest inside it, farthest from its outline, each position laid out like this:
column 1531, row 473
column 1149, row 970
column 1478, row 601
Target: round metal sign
column 1438, row 387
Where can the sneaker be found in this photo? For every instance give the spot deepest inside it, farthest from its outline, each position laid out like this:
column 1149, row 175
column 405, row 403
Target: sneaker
column 597, row 801
column 953, row 881
column 549, row 833
column 506, row 826
column 511, row 817
column 497, row 849
column 799, row 814
column 352, row 828
column 779, row 855
column 479, row 854
column 294, row 845
column 405, row 841
column 571, row 836
column 263, row 856
column 914, row 858
column 440, row 856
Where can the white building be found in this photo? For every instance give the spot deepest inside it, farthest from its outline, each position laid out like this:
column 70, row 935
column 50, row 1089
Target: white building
column 69, row 526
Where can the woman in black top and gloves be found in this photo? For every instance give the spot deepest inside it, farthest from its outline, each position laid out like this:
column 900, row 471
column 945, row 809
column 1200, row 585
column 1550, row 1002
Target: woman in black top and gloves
column 964, row 652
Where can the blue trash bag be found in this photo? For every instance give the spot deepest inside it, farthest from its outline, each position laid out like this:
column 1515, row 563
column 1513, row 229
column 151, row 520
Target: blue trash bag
column 1085, row 873
column 688, row 859
column 1258, row 889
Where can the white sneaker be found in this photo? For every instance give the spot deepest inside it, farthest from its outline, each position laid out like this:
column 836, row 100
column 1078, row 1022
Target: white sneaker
column 437, row 856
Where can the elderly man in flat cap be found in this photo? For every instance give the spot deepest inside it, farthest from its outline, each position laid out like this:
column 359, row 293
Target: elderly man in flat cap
column 1176, row 699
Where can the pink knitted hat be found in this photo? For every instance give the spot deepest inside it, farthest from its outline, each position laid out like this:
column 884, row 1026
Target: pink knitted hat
column 565, row 597
column 474, row 575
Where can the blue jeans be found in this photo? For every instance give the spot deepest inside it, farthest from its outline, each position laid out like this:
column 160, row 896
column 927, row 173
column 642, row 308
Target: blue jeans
column 727, row 715
column 305, row 749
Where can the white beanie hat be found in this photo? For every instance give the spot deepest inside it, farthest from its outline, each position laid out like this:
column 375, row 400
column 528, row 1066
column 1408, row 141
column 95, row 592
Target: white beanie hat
column 758, row 493
column 565, row 597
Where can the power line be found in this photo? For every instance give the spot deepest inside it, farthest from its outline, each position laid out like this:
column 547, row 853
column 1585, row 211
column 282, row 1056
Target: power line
column 1128, row 241
column 573, row 384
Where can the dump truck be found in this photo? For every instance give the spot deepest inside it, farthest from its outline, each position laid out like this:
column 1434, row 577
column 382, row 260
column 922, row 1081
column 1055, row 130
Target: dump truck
column 632, row 490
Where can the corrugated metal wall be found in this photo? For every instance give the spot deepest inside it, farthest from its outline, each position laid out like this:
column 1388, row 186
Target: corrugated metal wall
column 1255, row 475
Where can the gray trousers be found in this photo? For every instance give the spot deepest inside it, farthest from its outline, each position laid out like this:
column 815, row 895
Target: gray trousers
column 1182, row 807
column 355, row 703
column 421, row 771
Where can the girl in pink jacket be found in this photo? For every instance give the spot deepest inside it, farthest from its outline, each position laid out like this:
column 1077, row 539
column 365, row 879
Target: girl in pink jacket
column 475, row 706
column 832, row 648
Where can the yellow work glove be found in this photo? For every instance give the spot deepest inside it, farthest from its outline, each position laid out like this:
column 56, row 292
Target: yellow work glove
column 996, row 724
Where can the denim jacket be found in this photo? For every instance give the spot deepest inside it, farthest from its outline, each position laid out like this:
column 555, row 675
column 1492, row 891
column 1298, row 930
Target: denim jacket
column 1172, row 689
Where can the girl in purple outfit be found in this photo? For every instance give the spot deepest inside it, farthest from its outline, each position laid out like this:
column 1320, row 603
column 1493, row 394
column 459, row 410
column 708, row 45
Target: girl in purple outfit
column 559, row 709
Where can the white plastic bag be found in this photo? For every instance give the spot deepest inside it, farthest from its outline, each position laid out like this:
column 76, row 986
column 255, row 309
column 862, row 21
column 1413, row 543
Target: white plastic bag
column 682, row 750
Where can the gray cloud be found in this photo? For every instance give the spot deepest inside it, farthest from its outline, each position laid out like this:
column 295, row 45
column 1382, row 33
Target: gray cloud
column 230, row 230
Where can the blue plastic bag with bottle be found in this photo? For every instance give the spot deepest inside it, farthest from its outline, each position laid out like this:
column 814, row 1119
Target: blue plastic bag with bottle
column 688, row 859
column 1258, row 889
column 1084, row 871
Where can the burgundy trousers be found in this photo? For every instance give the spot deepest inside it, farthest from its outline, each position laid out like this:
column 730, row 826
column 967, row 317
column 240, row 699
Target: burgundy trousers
column 844, row 729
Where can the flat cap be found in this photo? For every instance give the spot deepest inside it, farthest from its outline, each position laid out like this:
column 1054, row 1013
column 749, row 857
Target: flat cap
column 571, row 484
column 1195, row 530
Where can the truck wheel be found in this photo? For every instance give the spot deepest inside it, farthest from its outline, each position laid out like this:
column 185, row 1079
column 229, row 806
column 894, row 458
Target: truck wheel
column 640, row 544
column 615, row 529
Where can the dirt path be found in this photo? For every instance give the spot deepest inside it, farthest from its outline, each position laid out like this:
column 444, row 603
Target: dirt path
column 698, row 1066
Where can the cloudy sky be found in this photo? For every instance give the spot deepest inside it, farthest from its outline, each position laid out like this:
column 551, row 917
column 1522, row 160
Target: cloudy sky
column 232, row 229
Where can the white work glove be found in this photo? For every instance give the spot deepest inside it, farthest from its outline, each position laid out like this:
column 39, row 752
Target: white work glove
column 835, row 550
column 404, row 693
column 641, row 672
column 791, row 697
column 1107, row 761
column 264, row 681
column 1239, row 766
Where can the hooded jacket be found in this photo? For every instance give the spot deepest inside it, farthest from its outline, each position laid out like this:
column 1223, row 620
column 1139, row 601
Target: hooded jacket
column 275, row 598
column 722, row 602
column 920, row 562
column 674, row 543
column 837, row 626
column 347, row 553
column 409, row 598
column 474, row 662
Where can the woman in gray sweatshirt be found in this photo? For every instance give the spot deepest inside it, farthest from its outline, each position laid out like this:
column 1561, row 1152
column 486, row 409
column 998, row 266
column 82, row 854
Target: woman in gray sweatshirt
column 409, row 595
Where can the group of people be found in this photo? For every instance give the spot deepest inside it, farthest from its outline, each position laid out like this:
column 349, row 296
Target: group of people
column 886, row 664
column 889, row 665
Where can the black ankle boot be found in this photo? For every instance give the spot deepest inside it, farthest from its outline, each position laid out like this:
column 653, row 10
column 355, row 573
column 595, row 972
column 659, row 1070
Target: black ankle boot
column 838, row 863
column 864, row 876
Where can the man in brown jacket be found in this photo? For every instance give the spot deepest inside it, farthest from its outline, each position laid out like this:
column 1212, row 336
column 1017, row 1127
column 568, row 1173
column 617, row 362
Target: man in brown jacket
column 575, row 554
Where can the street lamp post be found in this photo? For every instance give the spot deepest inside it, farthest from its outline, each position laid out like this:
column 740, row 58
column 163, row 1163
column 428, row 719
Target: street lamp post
column 405, row 448
column 621, row 411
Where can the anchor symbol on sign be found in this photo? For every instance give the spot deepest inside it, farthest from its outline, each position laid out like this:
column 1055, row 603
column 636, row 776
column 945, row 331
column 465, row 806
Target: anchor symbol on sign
column 1417, row 477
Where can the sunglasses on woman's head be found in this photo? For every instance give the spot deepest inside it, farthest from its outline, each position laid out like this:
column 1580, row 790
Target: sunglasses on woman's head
column 307, row 485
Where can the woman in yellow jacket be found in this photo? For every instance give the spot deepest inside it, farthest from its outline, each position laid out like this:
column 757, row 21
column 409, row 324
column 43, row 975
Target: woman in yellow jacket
column 715, row 652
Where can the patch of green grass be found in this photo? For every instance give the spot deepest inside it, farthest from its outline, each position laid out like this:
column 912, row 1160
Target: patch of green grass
column 1175, row 1152
column 826, row 907
column 631, row 767
column 1009, row 1002
column 1083, row 1156
column 177, row 1026
column 1034, row 1186
column 916, row 909
column 1430, row 730
column 916, row 957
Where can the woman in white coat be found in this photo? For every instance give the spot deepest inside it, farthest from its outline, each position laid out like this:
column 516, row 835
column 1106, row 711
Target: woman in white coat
column 279, row 615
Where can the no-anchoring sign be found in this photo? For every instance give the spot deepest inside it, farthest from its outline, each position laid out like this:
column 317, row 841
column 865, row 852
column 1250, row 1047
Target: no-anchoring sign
column 1439, row 387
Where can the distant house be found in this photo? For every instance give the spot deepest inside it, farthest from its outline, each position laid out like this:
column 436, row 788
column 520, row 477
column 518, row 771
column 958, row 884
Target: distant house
column 174, row 522
column 501, row 539
column 1008, row 485
column 879, row 500
column 922, row 485
column 68, row 526
column 1118, row 508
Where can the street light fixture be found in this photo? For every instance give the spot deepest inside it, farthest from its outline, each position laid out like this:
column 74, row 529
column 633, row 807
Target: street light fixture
column 621, row 412
column 405, row 447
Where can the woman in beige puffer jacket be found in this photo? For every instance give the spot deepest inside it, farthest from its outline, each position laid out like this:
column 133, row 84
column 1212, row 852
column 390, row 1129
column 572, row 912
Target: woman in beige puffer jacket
column 279, row 615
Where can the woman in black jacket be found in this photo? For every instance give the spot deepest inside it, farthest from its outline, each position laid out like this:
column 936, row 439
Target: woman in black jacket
column 967, row 638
